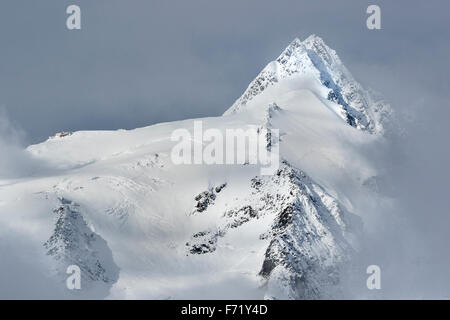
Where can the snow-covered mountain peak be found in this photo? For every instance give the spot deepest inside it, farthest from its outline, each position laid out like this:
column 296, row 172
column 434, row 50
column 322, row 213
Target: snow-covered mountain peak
column 140, row 225
column 296, row 49
column 312, row 65
column 316, row 44
column 292, row 47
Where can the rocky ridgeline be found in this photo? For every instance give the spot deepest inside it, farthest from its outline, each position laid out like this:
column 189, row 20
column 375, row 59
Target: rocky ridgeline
column 310, row 236
column 73, row 242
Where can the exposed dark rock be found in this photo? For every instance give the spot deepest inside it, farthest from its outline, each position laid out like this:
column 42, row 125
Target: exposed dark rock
column 220, row 188
column 308, row 240
column 206, row 198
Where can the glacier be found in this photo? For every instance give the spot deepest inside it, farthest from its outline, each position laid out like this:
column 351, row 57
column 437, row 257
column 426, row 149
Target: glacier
column 141, row 227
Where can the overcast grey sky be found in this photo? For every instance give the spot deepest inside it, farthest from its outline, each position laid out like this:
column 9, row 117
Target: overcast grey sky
column 139, row 62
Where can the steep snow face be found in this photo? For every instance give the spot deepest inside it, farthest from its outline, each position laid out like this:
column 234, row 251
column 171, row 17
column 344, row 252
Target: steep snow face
column 139, row 226
column 313, row 59
column 311, row 236
column 74, row 243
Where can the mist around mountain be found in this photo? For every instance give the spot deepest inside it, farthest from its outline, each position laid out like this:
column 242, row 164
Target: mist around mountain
column 139, row 226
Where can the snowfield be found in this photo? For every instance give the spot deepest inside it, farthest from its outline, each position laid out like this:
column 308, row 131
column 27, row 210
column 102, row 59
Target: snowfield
column 140, row 227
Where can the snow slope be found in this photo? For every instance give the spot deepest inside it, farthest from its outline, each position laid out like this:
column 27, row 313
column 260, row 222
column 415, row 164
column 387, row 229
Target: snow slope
column 140, row 226
column 327, row 77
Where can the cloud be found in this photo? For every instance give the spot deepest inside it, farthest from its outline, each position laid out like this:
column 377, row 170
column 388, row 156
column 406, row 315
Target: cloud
column 15, row 162
column 406, row 233
column 146, row 62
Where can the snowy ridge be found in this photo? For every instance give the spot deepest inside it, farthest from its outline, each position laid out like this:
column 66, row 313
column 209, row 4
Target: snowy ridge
column 139, row 226
column 313, row 58
column 73, row 242
column 311, row 235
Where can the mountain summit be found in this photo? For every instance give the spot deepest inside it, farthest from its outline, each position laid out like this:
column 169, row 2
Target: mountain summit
column 139, row 225
column 313, row 65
